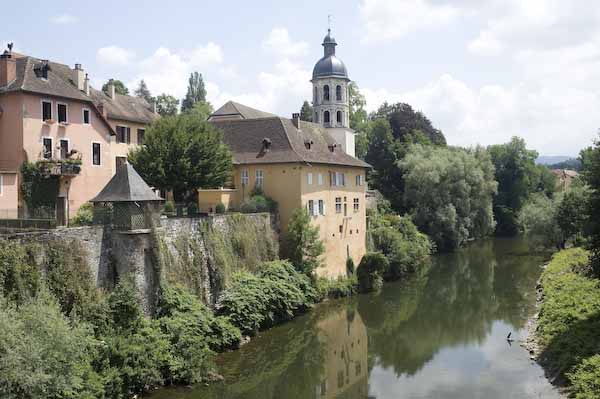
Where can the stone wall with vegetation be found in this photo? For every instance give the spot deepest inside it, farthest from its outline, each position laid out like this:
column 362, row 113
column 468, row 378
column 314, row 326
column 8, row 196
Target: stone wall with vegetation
column 200, row 254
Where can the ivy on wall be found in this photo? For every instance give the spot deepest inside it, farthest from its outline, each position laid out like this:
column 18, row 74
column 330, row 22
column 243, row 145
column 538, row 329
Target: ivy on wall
column 39, row 190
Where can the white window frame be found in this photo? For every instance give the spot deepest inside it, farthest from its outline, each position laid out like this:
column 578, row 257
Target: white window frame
column 259, row 178
column 320, row 179
column 309, row 178
column 83, row 111
column 322, row 208
column 137, row 135
column 92, row 152
column 1, row 185
column 338, row 204
column 51, row 147
column 66, row 112
column 245, row 178
column 45, row 100
column 356, row 205
column 68, row 144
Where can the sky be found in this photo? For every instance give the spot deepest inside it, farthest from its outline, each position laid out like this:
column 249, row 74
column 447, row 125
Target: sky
column 481, row 70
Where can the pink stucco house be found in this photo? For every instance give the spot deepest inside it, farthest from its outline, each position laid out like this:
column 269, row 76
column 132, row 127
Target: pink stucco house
column 49, row 113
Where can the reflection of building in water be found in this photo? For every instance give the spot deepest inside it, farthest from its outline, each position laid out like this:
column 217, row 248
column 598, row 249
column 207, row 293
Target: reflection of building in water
column 344, row 335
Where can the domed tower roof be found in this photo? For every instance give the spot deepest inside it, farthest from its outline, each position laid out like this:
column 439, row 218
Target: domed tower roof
column 329, row 65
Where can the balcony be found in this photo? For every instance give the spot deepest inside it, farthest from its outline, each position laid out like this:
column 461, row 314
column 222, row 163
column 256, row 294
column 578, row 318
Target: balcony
column 66, row 167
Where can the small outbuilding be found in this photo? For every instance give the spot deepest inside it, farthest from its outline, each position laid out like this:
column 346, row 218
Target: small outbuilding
column 127, row 203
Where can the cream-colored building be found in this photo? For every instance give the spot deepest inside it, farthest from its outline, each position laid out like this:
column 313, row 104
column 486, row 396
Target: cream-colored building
column 49, row 112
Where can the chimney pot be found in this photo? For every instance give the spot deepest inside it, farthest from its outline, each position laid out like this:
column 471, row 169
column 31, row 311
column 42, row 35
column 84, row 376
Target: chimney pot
column 111, row 89
column 8, row 69
column 79, row 77
column 296, row 120
column 86, row 85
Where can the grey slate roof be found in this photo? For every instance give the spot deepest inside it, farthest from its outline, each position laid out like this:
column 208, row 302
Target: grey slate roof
column 245, row 139
column 60, row 84
column 126, row 186
column 232, row 109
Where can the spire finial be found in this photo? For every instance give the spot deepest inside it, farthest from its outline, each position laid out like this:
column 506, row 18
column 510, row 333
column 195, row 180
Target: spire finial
column 329, row 23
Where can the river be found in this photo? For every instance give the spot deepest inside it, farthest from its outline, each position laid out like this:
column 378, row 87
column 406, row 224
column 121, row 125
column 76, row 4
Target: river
column 440, row 335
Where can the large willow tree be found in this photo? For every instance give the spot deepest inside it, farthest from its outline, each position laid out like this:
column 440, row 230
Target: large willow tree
column 449, row 193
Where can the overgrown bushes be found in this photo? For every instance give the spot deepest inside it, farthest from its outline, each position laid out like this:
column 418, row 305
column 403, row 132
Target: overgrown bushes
column 258, row 202
column 84, row 215
column 569, row 321
column 371, row 270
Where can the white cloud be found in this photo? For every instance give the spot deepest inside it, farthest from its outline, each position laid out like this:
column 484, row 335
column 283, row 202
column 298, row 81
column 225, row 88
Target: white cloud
column 553, row 120
column 392, row 19
column 65, row 19
column 115, row 56
column 280, row 43
column 209, row 54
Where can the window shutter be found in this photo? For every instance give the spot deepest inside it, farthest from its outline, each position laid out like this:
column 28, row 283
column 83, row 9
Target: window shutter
column 331, row 178
column 324, row 209
column 315, row 210
column 128, row 135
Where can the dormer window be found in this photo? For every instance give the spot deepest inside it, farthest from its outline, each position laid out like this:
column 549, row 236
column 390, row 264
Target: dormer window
column 41, row 70
column 332, row 147
column 266, row 143
column 308, row 144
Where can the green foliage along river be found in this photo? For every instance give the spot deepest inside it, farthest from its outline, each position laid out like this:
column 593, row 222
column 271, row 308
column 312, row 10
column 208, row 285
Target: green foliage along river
column 440, row 335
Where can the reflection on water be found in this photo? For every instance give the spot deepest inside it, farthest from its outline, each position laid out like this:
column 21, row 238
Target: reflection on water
column 439, row 335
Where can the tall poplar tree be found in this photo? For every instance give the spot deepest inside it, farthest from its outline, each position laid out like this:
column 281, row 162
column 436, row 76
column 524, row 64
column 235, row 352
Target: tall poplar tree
column 196, row 92
column 143, row 92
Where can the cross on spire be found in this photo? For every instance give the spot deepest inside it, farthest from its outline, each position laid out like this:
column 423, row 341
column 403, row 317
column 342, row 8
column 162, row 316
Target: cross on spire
column 329, row 22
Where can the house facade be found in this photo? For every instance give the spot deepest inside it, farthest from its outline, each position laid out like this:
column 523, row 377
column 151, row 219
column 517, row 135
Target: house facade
column 50, row 114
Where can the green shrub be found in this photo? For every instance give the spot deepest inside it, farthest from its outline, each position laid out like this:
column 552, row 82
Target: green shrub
column 585, row 379
column 350, row 268
column 84, row 215
column 19, row 278
column 43, row 354
column 339, row 288
column 277, row 293
column 302, row 244
column 192, row 209
column 370, row 271
column 258, row 202
column 220, row 208
column 169, row 207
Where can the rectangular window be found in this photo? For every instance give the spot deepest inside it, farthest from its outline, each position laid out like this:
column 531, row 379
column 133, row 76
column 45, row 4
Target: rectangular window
column 320, row 179
column 337, row 179
column 245, row 178
column 359, row 180
column 309, row 178
column 338, row 204
column 46, row 110
column 86, row 116
column 356, row 205
column 311, row 207
column 259, row 178
column 123, row 134
column 96, row 158
column 141, row 134
column 321, row 207
column 61, row 110
column 64, row 148
column 47, row 147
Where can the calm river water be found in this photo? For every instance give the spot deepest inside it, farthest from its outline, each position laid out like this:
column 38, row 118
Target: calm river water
column 440, row 335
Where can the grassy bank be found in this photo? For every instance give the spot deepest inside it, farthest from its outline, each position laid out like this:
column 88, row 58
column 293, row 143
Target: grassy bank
column 568, row 328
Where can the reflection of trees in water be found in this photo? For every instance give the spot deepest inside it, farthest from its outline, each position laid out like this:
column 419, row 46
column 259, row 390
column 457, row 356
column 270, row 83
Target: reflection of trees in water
column 299, row 359
column 455, row 304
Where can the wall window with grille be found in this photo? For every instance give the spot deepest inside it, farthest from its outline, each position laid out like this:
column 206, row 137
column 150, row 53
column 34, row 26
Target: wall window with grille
column 46, row 110
column 321, row 207
column 338, row 204
column 245, row 178
column 356, row 205
column 123, row 134
column 260, row 178
column 47, row 147
column 96, row 156
column 326, row 118
column 309, row 178
column 326, row 93
column 86, row 116
column 337, row 179
column 62, row 112
column 339, row 117
column 311, row 208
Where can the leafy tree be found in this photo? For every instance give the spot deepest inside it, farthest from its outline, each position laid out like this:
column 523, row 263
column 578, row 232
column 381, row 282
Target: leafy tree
column 406, row 122
column 573, row 212
column 517, row 177
column 166, row 105
column 449, row 193
column 302, row 245
column 370, row 271
column 358, row 114
column 143, row 92
column 306, row 112
column 538, row 218
column 591, row 167
column 182, row 154
column 196, row 92
column 120, row 87
column 202, row 110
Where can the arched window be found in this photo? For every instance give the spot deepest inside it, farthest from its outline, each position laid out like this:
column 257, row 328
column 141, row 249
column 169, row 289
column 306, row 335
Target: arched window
column 315, row 97
column 339, row 116
column 326, row 93
column 326, row 116
column 338, row 93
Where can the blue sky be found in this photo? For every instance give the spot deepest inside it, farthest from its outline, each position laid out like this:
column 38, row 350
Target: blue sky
column 481, row 70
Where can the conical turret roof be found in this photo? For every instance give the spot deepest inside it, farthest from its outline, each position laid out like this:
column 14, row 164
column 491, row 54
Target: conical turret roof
column 126, row 186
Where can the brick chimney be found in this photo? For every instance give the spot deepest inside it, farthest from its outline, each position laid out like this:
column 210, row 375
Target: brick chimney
column 8, row 68
column 79, row 77
column 110, row 90
column 296, row 120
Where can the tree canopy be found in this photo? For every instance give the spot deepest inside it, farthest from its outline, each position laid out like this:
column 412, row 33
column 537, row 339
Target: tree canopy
column 120, row 87
column 449, row 193
column 301, row 244
column 306, row 112
column 182, row 154
column 166, row 105
column 591, row 172
column 196, row 92
column 142, row 91
column 406, row 122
